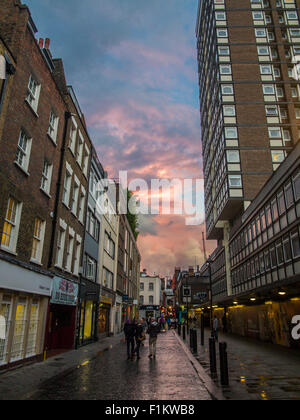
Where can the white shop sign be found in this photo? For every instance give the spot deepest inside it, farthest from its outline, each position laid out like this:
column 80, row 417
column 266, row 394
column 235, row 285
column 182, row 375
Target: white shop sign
column 19, row 279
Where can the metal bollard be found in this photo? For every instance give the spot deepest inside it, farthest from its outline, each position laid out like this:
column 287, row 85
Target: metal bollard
column 202, row 331
column 224, row 364
column 212, row 356
column 195, row 346
column 191, row 338
column 183, row 332
column 179, row 329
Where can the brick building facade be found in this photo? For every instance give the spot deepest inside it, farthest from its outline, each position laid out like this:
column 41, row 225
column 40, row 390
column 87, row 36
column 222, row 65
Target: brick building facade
column 29, row 170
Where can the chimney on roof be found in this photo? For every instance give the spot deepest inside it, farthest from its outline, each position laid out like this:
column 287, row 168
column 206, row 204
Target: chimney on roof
column 41, row 43
column 47, row 43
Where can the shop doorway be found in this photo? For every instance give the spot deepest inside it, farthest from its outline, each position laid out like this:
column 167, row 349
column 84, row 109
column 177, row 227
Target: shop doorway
column 103, row 320
column 61, row 327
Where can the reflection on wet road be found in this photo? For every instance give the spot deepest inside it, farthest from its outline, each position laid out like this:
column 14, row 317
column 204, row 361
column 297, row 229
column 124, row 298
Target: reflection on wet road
column 111, row 377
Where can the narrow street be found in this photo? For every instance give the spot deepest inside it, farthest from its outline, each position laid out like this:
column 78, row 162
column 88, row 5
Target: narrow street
column 109, row 376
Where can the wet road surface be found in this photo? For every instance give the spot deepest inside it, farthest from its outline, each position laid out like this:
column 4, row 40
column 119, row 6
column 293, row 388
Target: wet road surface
column 111, row 377
column 257, row 371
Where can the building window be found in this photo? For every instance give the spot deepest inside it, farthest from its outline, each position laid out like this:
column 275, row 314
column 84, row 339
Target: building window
column 142, row 287
column 67, row 188
column 69, row 253
column 109, row 246
column 77, row 256
column 151, row 287
column 233, row 156
column 38, row 241
column 46, row 177
column 79, row 152
column 75, row 195
column 151, row 300
column 93, row 225
column 60, row 247
column 90, row 268
column 11, row 225
column 107, row 278
column 33, row 93
column 23, row 151
column 53, row 126
column 141, row 300
column 73, row 135
column 81, row 204
column 235, row 181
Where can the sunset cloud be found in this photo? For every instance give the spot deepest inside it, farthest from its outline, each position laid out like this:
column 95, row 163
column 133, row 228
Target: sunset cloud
column 133, row 66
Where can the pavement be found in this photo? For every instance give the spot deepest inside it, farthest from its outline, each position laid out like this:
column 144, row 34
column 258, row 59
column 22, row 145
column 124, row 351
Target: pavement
column 101, row 371
column 257, row 371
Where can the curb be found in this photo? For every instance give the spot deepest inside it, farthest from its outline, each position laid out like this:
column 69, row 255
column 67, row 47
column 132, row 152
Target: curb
column 208, row 383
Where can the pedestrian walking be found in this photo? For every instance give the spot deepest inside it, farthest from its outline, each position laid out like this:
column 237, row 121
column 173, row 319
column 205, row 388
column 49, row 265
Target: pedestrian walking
column 139, row 338
column 216, row 328
column 130, row 331
column 153, row 331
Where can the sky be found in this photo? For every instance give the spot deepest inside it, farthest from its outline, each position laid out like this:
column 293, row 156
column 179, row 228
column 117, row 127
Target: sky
column 133, row 66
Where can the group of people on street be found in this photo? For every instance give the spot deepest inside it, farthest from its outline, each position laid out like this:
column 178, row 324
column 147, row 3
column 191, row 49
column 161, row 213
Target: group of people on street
column 135, row 334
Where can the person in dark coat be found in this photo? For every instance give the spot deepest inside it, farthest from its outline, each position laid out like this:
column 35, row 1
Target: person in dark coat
column 153, row 331
column 130, row 331
column 139, row 338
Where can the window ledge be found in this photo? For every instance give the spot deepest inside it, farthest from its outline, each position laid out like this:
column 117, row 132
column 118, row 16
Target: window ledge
column 36, row 262
column 45, row 192
column 52, row 139
column 32, row 109
column 22, row 169
column 9, row 251
column 66, row 205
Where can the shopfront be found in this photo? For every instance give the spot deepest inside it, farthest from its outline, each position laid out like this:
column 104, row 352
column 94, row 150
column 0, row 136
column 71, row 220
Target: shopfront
column 24, row 299
column 149, row 311
column 88, row 312
column 60, row 334
column 104, row 315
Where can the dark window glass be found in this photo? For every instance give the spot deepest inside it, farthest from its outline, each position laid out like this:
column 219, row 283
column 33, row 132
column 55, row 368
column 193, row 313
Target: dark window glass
column 269, row 216
column 262, row 263
column 296, row 182
column 267, row 260
column 273, row 258
column 295, row 243
column 263, row 220
column 258, row 224
column 289, row 196
column 281, row 203
column 287, row 248
column 279, row 251
column 274, row 210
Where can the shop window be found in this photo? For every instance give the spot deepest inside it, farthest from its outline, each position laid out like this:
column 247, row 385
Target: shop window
column 33, row 329
column 5, row 313
column 17, row 347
